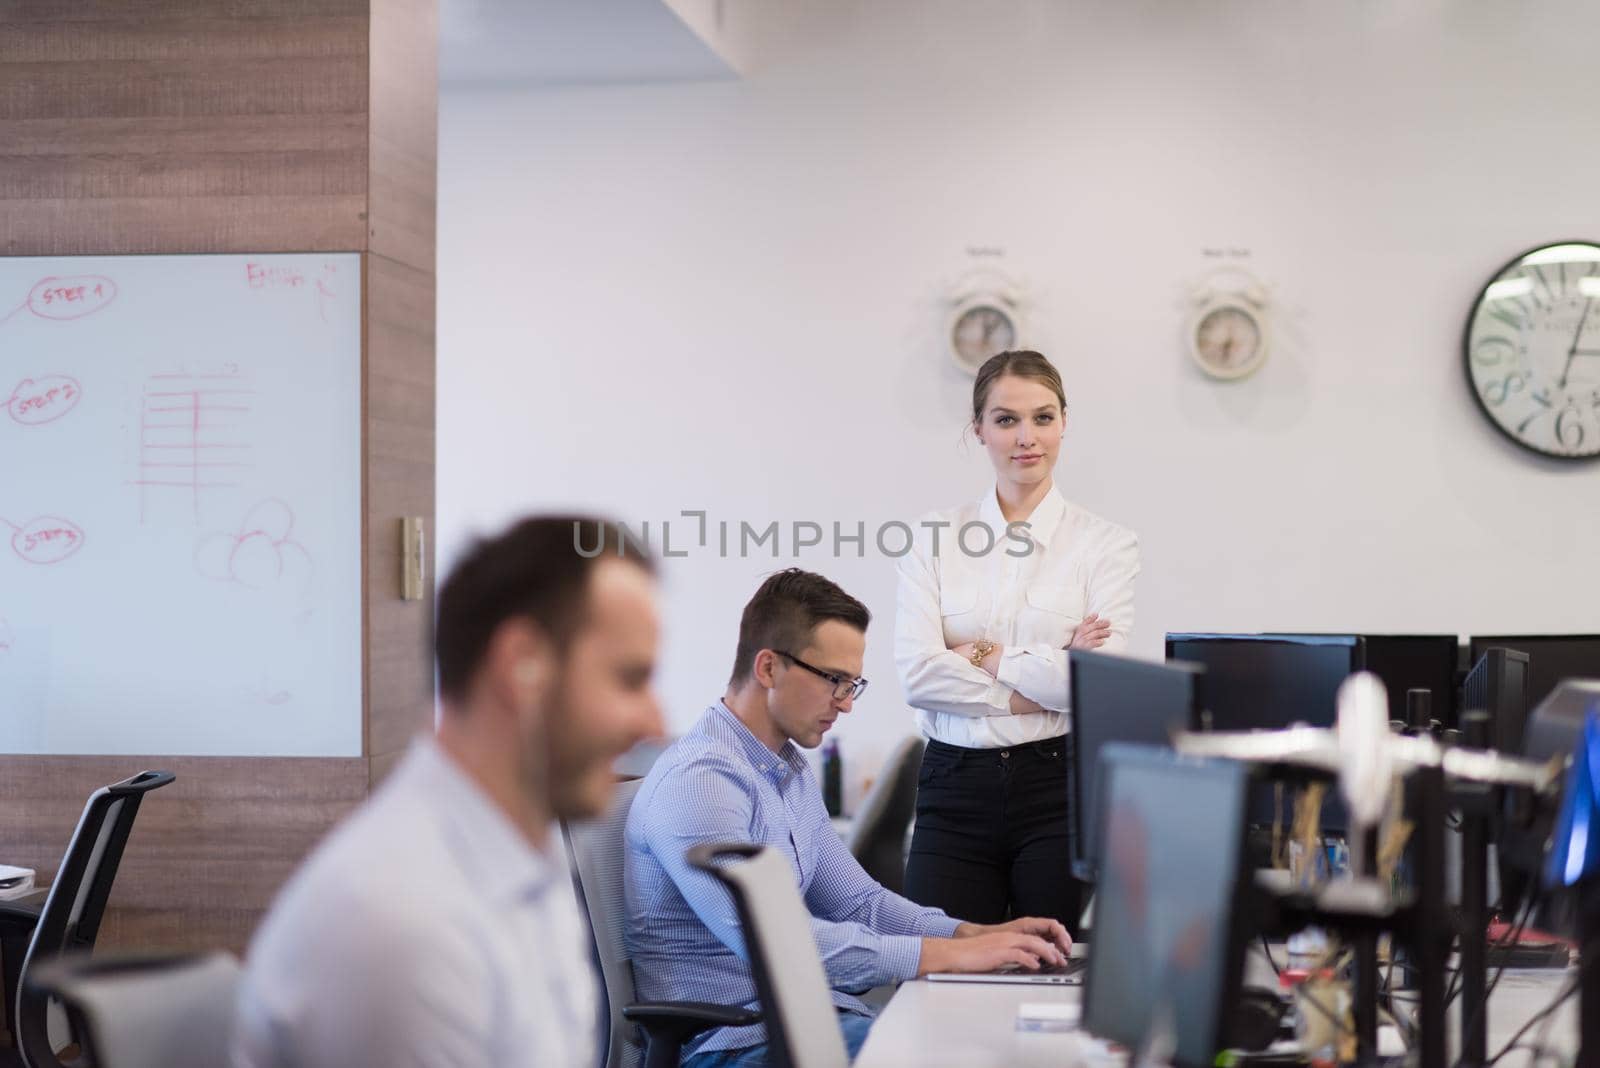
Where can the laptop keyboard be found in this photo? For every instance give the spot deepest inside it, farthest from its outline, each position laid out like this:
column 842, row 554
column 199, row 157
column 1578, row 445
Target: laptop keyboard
column 1073, row 966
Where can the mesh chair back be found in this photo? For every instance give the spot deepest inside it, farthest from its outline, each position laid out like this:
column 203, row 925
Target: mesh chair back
column 70, row 919
column 172, row 1012
column 878, row 839
column 802, row 1023
column 595, row 848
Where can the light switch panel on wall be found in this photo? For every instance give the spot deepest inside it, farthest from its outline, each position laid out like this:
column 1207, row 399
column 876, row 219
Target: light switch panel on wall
column 413, row 572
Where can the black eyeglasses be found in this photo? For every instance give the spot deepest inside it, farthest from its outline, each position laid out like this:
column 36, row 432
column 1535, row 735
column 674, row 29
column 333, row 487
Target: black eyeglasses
column 843, row 688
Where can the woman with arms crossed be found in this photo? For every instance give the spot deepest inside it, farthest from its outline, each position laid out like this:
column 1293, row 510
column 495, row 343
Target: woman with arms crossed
column 991, row 596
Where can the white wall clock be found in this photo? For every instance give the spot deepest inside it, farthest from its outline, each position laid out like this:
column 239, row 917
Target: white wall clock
column 1532, row 350
column 985, row 317
column 1228, row 334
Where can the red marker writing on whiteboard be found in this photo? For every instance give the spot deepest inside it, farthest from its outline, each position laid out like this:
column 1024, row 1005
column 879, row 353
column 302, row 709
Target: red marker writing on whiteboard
column 47, row 539
column 273, row 276
column 43, row 400
column 67, row 298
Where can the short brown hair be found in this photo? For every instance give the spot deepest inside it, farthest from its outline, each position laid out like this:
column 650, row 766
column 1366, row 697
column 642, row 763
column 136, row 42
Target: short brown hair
column 785, row 611
column 1022, row 363
column 534, row 571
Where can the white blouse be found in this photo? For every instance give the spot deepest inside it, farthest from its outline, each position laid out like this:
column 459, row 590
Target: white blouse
column 1033, row 585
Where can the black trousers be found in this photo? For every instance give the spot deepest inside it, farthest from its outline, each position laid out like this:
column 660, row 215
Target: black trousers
column 991, row 841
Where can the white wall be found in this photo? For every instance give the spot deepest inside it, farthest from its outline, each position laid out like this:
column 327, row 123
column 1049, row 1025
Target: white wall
column 725, row 296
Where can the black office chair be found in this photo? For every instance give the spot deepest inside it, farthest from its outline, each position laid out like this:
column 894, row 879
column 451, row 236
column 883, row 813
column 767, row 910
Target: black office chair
column 595, row 848
column 802, row 1024
column 69, row 919
column 878, row 839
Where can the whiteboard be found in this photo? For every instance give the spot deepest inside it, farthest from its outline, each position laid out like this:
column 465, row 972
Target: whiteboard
column 180, row 505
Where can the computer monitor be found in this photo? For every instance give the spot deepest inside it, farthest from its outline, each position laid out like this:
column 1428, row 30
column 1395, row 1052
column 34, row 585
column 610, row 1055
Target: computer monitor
column 1169, row 922
column 1498, row 685
column 1555, row 728
column 1272, row 681
column 1551, row 658
column 1118, row 699
column 1416, row 662
column 1574, row 856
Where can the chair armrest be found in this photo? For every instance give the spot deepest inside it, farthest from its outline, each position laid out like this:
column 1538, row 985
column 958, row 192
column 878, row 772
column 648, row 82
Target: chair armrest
column 680, row 1020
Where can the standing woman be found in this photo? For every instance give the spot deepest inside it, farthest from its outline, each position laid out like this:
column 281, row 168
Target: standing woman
column 992, row 595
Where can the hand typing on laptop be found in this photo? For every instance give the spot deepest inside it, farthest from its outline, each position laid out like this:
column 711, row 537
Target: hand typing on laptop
column 1026, row 944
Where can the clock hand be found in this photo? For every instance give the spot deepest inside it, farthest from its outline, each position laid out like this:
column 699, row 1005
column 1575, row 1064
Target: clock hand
column 1576, row 337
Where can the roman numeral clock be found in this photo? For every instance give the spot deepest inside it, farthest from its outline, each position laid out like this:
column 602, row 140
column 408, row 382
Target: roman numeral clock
column 1532, row 350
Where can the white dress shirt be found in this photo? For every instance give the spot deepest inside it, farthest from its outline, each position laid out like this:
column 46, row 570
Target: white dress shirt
column 425, row 932
column 1027, row 593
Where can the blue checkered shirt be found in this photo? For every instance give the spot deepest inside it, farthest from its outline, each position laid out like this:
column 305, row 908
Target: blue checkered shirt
column 719, row 783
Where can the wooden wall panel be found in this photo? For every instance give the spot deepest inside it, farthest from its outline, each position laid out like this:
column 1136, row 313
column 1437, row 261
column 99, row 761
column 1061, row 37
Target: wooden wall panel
column 216, row 224
column 173, row 126
column 404, row 151
column 403, row 167
column 142, row 32
column 206, row 853
column 400, row 482
column 183, row 127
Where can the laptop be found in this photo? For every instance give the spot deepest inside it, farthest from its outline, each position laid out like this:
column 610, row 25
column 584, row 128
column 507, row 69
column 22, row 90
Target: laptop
column 1069, row 974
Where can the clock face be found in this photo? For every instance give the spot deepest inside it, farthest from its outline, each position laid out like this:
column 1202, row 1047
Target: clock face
column 980, row 332
column 1227, row 341
column 1533, row 350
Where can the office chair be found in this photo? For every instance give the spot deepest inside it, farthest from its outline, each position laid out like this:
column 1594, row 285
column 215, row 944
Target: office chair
column 596, row 851
column 878, row 839
column 802, row 1023
column 144, row 1012
column 69, row 919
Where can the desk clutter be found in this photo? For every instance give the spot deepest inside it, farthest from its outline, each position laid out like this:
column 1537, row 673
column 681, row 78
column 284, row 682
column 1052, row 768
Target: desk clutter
column 1404, row 848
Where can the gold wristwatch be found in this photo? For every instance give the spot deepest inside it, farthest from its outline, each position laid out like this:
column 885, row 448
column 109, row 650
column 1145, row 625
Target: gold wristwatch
column 980, row 649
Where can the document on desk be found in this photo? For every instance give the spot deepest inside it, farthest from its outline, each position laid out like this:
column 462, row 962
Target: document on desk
column 1047, row 1016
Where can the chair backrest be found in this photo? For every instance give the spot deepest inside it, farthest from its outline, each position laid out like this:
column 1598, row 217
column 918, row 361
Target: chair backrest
column 596, row 850
column 70, row 919
column 878, row 839
column 146, row 1012
column 796, row 1003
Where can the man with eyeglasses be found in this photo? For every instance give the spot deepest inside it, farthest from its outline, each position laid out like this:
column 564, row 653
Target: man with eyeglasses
column 738, row 776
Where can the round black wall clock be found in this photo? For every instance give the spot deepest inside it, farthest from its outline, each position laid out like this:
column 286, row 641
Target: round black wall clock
column 1532, row 350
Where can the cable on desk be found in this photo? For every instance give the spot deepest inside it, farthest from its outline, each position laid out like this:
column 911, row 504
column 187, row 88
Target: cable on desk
column 1330, row 961
column 1534, row 897
column 1266, row 948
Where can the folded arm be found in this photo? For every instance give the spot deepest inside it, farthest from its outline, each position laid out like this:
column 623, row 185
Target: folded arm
column 1038, row 672
column 936, row 678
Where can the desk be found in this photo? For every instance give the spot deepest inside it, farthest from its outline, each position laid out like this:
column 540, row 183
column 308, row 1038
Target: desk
column 974, row 1025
